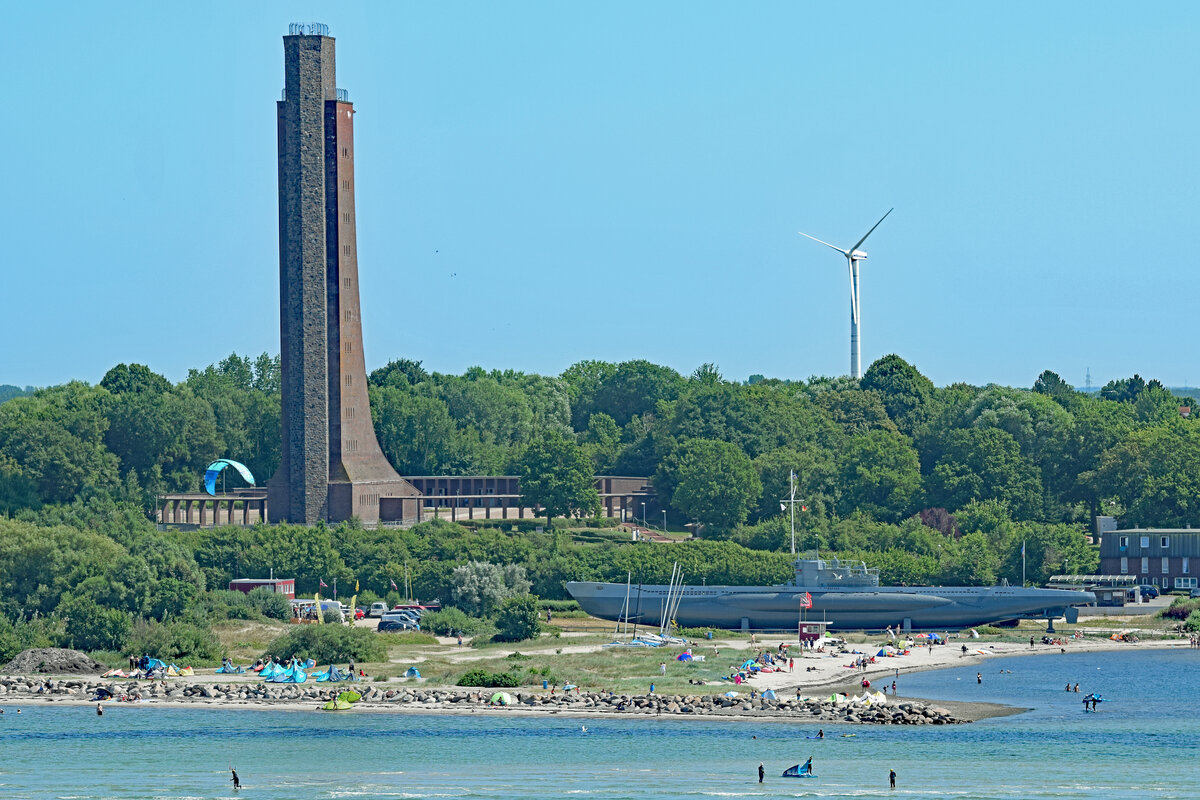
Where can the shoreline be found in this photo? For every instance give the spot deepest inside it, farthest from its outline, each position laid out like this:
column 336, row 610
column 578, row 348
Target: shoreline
column 963, row 711
column 832, row 678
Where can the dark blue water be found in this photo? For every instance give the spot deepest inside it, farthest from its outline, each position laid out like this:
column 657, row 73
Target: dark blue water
column 1142, row 743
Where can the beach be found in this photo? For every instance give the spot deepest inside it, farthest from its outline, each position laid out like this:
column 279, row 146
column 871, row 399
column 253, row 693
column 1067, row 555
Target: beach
column 1054, row 750
column 814, row 677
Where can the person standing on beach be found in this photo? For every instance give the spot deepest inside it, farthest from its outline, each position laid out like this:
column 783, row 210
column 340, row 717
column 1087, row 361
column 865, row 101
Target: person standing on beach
column 1031, row 642
column 892, row 778
column 761, row 772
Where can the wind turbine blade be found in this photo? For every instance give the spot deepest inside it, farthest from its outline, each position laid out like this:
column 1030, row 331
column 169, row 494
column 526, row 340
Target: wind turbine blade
column 827, row 244
column 873, row 227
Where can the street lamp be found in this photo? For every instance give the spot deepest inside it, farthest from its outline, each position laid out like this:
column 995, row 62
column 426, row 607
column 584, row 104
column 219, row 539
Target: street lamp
column 644, row 525
column 664, row 520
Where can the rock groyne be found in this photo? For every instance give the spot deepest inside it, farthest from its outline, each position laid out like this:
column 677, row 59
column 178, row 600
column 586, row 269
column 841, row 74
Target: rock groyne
column 385, row 696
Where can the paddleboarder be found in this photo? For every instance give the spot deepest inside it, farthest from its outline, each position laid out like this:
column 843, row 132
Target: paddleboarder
column 237, row 784
column 892, row 778
column 761, row 772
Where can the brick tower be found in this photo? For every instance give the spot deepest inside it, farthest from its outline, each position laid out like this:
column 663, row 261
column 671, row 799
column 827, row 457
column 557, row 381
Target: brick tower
column 331, row 467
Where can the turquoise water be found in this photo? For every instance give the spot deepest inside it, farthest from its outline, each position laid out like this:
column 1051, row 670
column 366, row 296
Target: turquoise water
column 1143, row 743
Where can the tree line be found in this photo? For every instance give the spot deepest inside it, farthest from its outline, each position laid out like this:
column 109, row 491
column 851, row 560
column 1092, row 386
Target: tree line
column 719, row 452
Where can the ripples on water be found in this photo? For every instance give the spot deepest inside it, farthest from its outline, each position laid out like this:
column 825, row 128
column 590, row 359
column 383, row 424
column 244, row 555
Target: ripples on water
column 1143, row 743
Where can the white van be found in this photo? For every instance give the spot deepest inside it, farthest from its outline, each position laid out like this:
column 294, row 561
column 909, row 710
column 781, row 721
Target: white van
column 377, row 609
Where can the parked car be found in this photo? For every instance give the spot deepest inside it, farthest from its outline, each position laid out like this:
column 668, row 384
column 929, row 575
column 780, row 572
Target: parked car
column 1194, row 593
column 395, row 626
column 401, row 616
column 1149, row 591
column 360, row 612
column 377, row 610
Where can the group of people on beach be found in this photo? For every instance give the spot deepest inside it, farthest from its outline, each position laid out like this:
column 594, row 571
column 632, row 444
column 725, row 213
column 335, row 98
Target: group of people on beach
column 1194, row 640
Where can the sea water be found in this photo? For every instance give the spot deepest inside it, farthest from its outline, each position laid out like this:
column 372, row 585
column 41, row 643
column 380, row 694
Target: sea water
column 1144, row 742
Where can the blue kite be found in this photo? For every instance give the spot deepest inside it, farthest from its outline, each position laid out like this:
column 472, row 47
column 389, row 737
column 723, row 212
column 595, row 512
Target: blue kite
column 218, row 466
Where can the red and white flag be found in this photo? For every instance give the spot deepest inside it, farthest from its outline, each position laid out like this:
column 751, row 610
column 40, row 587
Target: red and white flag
column 394, row 586
column 324, row 585
column 806, row 601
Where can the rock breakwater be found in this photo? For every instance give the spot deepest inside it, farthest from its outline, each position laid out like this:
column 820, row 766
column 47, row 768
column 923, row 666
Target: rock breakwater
column 385, row 696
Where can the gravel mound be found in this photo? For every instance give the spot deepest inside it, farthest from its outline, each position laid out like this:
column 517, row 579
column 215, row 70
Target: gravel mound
column 52, row 661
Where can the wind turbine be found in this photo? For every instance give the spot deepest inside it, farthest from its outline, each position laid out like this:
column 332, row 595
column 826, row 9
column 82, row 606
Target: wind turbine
column 853, row 256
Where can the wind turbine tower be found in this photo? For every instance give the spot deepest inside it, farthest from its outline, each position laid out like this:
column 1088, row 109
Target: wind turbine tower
column 853, row 256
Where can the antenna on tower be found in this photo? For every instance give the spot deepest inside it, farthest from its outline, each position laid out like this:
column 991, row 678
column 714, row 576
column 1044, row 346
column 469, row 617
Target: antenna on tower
column 1087, row 381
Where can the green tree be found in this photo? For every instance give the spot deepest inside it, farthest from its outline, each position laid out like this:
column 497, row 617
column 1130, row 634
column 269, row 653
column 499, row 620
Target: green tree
column 984, row 464
column 556, row 474
column 634, row 388
column 584, row 380
column 90, row 626
column 479, row 588
column 518, row 619
column 602, row 443
column 134, row 378
column 415, row 431
column 1157, row 473
column 905, row 391
column 714, row 484
column 879, row 474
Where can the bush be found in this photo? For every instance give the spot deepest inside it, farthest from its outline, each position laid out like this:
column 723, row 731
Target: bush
column 92, row 627
column 989, row 630
column 173, row 641
column 326, row 644
column 481, row 677
column 518, row 619
column 1192, row 623
column 22, row 635
column 270, row 604
column 221, row 604
column 331, row 616
column 449, row 620
column 558, row 606
column 1181, row 608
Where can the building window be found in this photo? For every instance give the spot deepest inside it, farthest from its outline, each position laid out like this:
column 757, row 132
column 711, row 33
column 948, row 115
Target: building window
column 1164, row 542
column 346, row 283
column 349, row 379
column 1124, row 542
column 345, row 249
column 1185, row 568
column 1166, row 565
column 346, row 217
column 1145, row 541
column 1124, row 565
column 1185, row 583
column 350, row 412
column 1145, row 565
column 346, row 185
column 352, row 445
column 347, row 347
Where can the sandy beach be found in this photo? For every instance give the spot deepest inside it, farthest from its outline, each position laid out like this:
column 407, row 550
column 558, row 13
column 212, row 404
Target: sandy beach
column 815, row 675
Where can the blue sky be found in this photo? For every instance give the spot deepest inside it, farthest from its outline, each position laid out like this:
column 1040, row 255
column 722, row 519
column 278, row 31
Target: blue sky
column 540, row 183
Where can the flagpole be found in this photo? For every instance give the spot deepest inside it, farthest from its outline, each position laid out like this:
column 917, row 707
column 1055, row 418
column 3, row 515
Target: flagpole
column 792, row 484
column 1022, row 562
